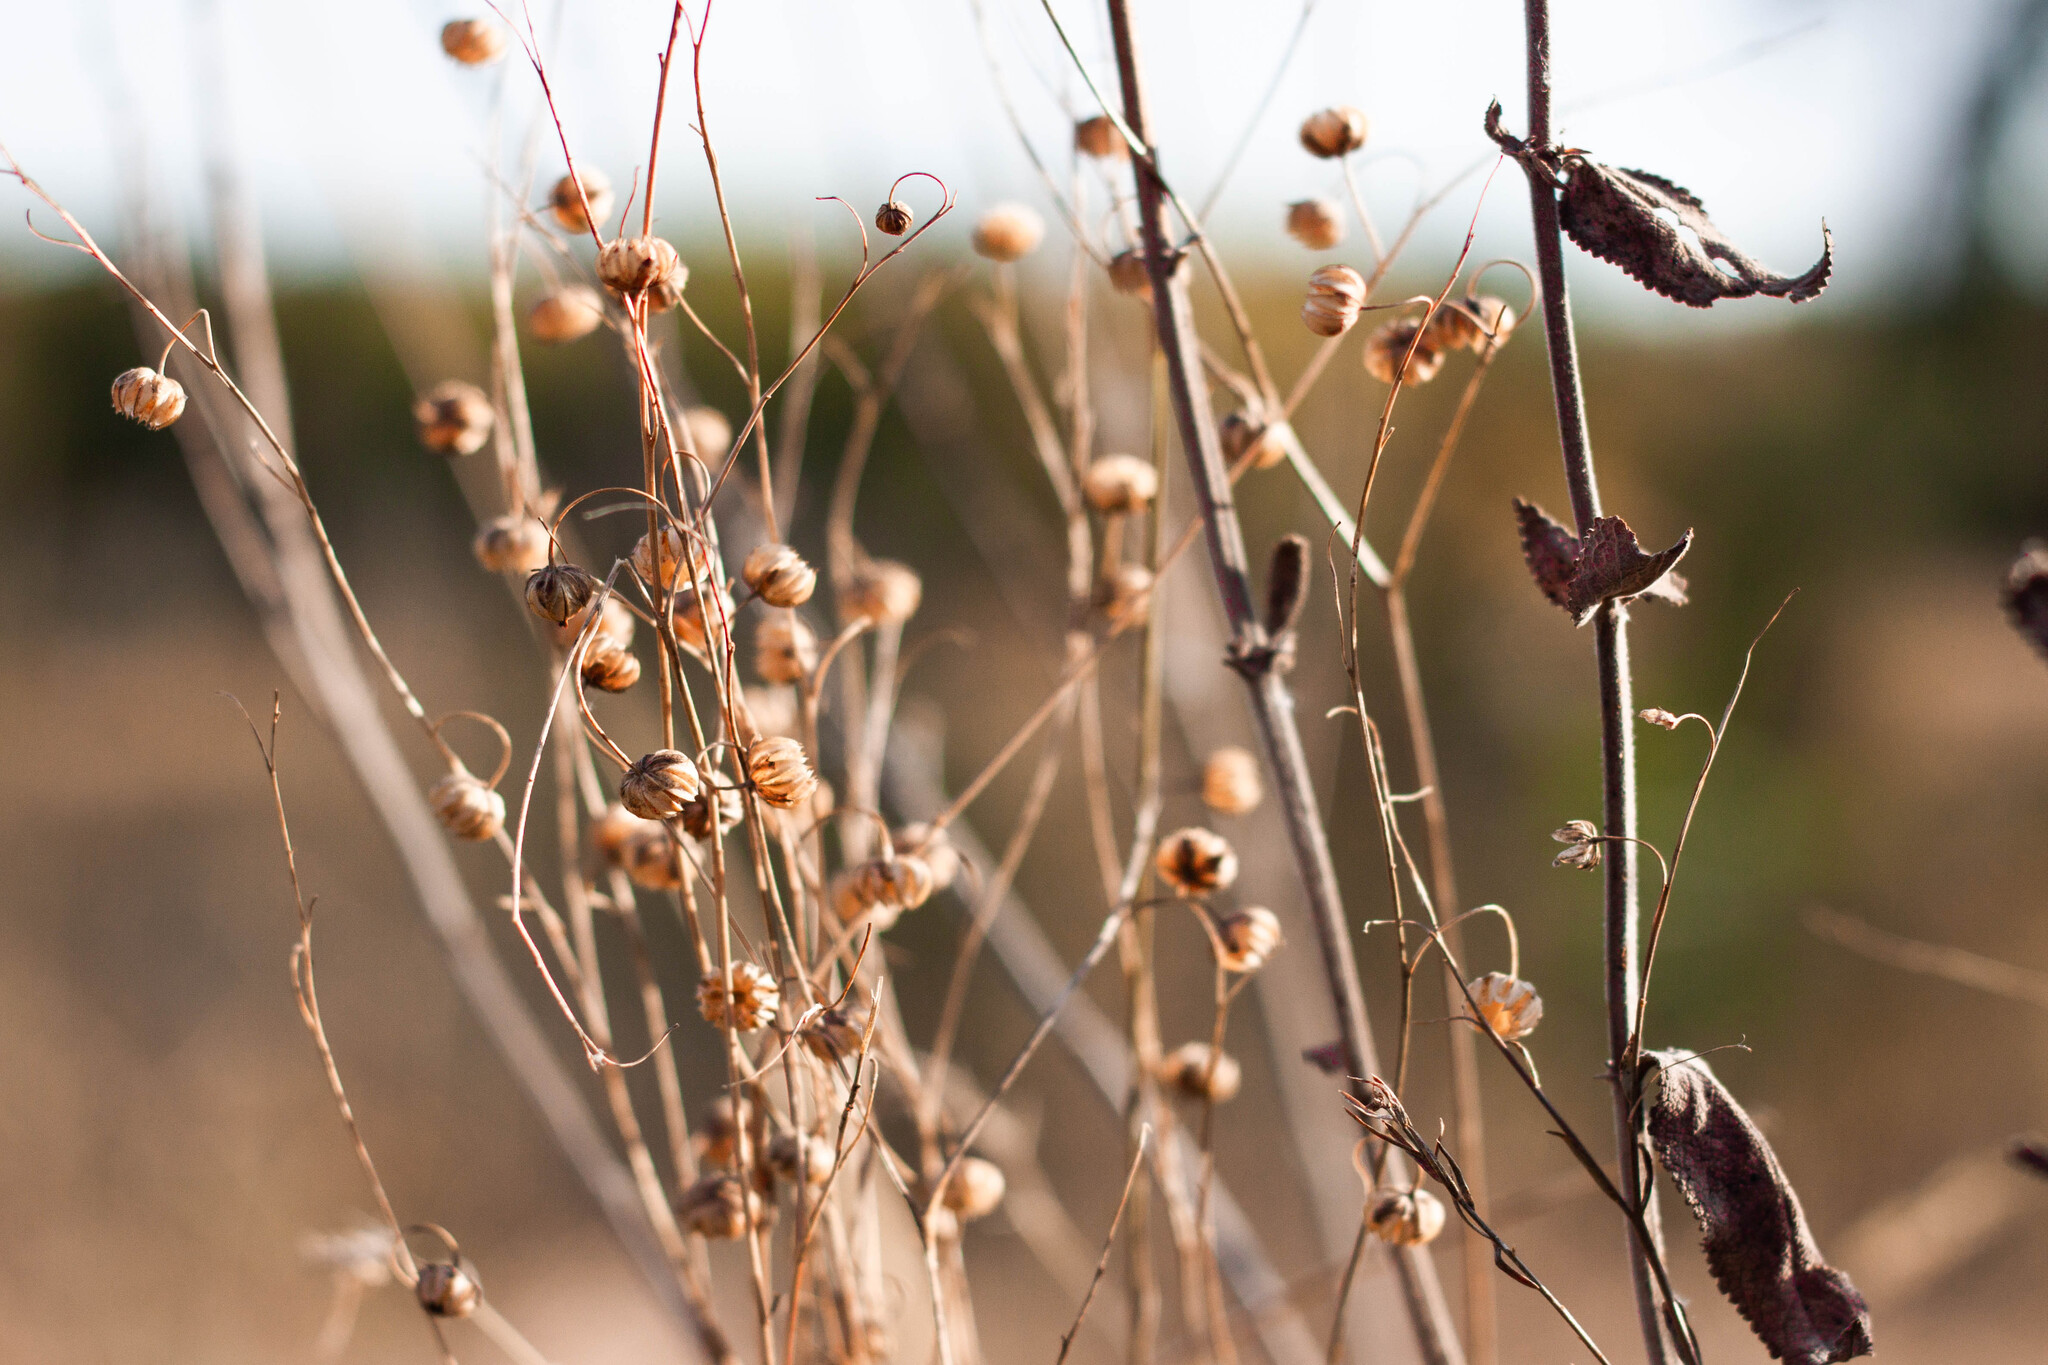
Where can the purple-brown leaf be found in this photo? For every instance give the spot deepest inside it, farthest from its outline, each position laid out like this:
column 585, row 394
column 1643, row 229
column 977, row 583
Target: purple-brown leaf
column 1758, row 1244
column 1635, row 220
column 1607, row 566
column 2026, row 594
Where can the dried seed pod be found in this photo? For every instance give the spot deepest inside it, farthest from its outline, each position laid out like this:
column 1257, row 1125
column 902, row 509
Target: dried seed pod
column 630, row 266
column 894, row 218
column 1659, row 717
column 902, row 881
column 566, row 315
column 724, row 800
column 567, row 205
column 1196, row 861
column 608, row 665
column 687, row 617
column 1128, row 274
column 142, row 395
column 1119, row 483
column 1247, row 938
column 719, row 1208
column 1125, row 596
column 773, row 710
column 717, row 1139
column 797, row 1156
column 1581, row 840
column 659, row 556
column 779, row 575
column 1231, row 781
column 1317, row 224
column 976, row 1187
column 710, row 432
column 848, row 897
column 785, row 650
column 614, row 619
column 1199, row 1072
column 513, row 543
column 556, row 592
column 836, row 1034
column 1336, row 131
column 467, row 806
column 611, row 832
column 755, row 998
column 882, row 591
column 473, row 42
column 1388, row 346
column 447, row 1291
column 932, row 848
column 1098, row 137
column 453, row 418
column 1510, row 1006
column 1470, row 324
column 659, row 784
column 1335, row 294
column 1405, row 1218
column 653, row 860
column 1246, row 435
column 1008, row 232
column 780, row 772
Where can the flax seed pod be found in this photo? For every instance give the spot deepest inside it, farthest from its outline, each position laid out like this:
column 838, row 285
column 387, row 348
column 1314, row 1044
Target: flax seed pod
column 653, row 860
column 1189, row 1069
column 1195, row 862
column 447, row 1291
column 780, row 772
column 755, row 998
column 556, row 592
column 1119, row 483
column 1246, row 939
column 710, row 432
column 716, row 801
column 773, row 710
column 1509, row 1006
column 1581, row 840
column 805, row 1157
column 1247, row 435
column 1472, row 324
column 1335, row 294
column 785, row 650
column 513, row 543
column 658, row 784
column 976, row 1188
column 932, row 848
column 453, row 418
column 611, row 832
column 1231, row 782
column 565, row 315
column 473, row 42
column 567, row 205
column 1008, row 232
column 718, row 1208
column 142, row 395
column 630, row 266
column 1388, row 346
column 902, row 881
column 779, row 575
column 1317, row 224
column 614, row 619
column 848, row 895
column 467, row 806
column 1126, row 596
column 1333, row 132
column 1128, row 274
column 882, row 591
column 608, row 665
column 717, row 1139
column 688, row 615
column 836, row 1034
column 1405, row 1218
column 658, row 557
column 1099, row 138
column 894, row 218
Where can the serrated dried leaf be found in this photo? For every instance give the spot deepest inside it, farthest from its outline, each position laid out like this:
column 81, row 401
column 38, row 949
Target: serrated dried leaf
column 1618, row 215
column 1551, row 551
column 2026, row 594
column 1757, row 1241
column 1608, row 566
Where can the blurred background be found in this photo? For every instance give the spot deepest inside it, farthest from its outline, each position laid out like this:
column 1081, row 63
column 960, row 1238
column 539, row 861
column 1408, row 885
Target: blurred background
column 166, row 1139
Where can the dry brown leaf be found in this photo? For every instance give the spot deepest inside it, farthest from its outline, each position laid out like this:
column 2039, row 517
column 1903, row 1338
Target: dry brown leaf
column 1607, row 566
column 1758, row 1244
column 1620, row 216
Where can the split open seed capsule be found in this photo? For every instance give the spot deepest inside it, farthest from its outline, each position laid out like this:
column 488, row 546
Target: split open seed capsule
column 142, row 395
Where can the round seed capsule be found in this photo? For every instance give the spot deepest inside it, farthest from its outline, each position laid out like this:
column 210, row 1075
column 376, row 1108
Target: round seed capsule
column 658, row 784
column 1317, row 224
column 722, row 804
column 1246, row 435
column 710, row 432
column 1245, row 940
column 653, row 860
column 894, row 218
column 1333, row 132
column 1119, row 483
column 755, row 998
column 932, row 848
column 687, row 615
column 1388, row 346
column 884, row 592
column 567, row 205
column 976, row 1188
column 1126, row 596
column 629, row 266
column 1008, row 232
column 779, row 575
column 473, row 42
column 718, row 1207
column 1098, row 137
column 1199, row 1072
column 467, row 807
column 513, row 543
column 1407, row 1218
column 556, row 592
column 1196, row 862
column 1335, row 295
column 615, row 619
column 453, row 418
column 566, row 315
column 447, row 1291
column 608, row 665
column 611, row 832
column 785, row 650
column 1509, row 1006
column 1128, row 274
column 658, row 557
column 142, row 395
column 902, row 881
column 780, row 772
column 1231, row 783
column 797, row 1156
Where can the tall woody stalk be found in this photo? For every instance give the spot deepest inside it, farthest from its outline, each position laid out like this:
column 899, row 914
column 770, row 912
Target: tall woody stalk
column 1617, row 706
column 1251, row 654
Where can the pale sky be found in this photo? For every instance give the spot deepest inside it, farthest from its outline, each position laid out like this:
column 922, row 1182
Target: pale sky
column 1777, row 114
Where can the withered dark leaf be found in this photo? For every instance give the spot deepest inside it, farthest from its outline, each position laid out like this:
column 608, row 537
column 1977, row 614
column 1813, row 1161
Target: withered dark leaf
column 2026, row 593
column 1757, row 1241
column 1328, row 1058
column 1607, row 566
column 1618, row 216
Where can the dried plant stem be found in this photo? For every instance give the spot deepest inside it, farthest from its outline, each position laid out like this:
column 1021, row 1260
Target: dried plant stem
column 1272, row 704
column 1108, row 1244
column 1617, row 741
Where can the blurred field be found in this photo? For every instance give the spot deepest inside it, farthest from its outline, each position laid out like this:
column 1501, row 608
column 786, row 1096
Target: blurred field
column 166, row 1138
